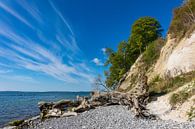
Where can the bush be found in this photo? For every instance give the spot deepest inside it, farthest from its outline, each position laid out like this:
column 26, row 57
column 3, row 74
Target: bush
column 153, row 52
column 179, row 98
column 183, row 95
column 164, row 85
column 174, row 99
column 183, row 19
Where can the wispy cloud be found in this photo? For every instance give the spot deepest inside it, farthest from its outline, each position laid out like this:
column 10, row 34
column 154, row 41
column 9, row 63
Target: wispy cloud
column 61, row 16
column 14, row 13
column 37, row 58
column 31, row 9
column 67, row 42
column 38, row 54
column 70, row 44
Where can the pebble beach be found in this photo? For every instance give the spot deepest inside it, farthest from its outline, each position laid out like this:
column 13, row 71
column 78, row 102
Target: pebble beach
column 111, row 117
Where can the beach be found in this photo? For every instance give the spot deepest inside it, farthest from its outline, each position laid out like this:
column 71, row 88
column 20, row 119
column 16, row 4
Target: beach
column 110, row 117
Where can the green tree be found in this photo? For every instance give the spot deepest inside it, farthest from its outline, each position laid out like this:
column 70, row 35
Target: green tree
column 118, row 64
column 144, row 31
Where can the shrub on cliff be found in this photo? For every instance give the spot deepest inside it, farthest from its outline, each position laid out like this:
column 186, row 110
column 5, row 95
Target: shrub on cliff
column 183, row 20
column 153, row 52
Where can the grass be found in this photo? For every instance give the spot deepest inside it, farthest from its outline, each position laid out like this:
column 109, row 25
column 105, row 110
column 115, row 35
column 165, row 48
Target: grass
column 178, row 98
column 159, row 85
column 183, row 95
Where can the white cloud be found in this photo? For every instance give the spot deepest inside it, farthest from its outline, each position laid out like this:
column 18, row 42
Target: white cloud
column 103, row 50
column 46, row 62
column 97, row 62
column 70, row 44
column 22, row 52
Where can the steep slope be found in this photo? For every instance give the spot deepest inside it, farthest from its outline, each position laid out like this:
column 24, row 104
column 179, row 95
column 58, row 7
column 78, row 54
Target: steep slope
column 172, row 70
column 130, row 79
column 177, row 57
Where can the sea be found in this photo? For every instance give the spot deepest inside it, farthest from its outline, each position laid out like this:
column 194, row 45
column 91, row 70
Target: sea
column 23, row 105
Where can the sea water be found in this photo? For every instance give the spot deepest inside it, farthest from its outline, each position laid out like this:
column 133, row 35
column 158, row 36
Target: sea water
column 23, row 105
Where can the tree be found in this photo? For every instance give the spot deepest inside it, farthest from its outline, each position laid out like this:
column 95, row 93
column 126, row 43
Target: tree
column 144, row 31
column 118, row 64
column 98, row 83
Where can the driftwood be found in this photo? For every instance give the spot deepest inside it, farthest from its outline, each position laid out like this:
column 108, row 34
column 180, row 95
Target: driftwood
column 56, row 109
column 136, row 100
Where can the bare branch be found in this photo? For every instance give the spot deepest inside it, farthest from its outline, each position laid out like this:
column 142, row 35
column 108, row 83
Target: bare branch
column 98, row 82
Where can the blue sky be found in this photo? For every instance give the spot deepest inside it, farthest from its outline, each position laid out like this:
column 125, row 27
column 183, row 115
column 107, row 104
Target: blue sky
column 58, row 45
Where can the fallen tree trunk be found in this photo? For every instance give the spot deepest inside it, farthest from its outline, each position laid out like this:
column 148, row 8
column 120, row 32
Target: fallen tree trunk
column 136, row 100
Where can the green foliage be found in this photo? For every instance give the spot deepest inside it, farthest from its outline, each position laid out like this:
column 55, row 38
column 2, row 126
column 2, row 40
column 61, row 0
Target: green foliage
column 183, row 95
column 118, row 62
column 179, row 98
column 155, row 87
column 168, row 84
column 16, row 122
column 153, row 52
column 183, row 19
column 144, row 31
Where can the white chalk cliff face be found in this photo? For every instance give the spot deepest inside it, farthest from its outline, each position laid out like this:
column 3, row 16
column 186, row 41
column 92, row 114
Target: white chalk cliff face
column 177, row 57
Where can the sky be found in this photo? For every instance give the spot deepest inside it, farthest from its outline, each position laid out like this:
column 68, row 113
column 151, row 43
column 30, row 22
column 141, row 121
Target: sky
column 59, row 45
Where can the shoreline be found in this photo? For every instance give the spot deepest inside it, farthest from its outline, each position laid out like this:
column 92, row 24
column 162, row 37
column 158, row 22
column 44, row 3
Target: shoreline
column 29, row 120
column 105, row 117
column 116, row 117
column 21, row 106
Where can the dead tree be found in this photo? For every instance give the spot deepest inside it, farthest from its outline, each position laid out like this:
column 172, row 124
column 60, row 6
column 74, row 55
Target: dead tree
column 136, row 100
column 98, row 83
